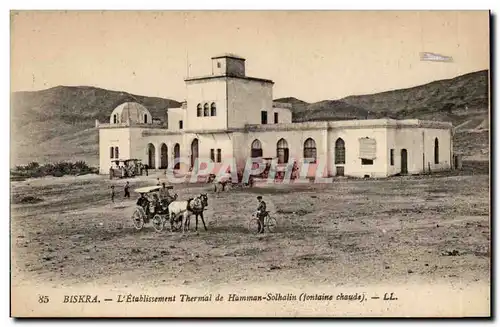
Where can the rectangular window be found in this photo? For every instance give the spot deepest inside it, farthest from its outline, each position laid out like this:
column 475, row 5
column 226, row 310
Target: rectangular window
column 275, row 117
column 180, row 124
column 117, row 155
column 111, row 152
column 219, row 155
column 366, row 162
column 212, row 155
column 263, row 117
column 392, row 157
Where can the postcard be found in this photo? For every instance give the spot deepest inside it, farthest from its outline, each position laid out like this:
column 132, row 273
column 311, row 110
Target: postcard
column 250, row 164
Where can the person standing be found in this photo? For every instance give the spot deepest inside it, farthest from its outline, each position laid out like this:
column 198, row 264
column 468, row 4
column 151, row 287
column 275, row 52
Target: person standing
column 126, row 189
column 113, row 193
column 261, row 213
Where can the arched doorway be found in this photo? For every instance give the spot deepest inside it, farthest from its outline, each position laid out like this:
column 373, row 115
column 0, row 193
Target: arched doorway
column 436, row 151
column 256, row 151
column 404, row 162
column 151, row 156
column 194, row 153
column 177, row 155
column 339, row 156
column 164, row 156
column 282, row 151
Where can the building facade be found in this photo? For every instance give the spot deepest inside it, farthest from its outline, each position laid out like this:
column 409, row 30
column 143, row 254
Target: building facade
column 229, row 116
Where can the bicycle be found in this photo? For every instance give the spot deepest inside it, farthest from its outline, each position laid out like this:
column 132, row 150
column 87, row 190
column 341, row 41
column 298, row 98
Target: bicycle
column 255, row 226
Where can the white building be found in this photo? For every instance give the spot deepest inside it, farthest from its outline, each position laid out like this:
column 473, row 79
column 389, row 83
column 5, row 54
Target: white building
column 230, row 115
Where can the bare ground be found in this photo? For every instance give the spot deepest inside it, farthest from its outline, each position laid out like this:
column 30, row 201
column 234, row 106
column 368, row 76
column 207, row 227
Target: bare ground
column 350, row 232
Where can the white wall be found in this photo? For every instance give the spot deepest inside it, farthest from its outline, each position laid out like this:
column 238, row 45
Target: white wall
column 174, row 115
column 246, row 99
column 139, row 145
column 353, row 165
column 112, row 137
column 206, row 91
column 419, row 143
column 295, row 140
column 284, row 115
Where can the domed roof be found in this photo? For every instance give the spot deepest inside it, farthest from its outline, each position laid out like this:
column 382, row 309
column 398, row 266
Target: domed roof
column 133, row 111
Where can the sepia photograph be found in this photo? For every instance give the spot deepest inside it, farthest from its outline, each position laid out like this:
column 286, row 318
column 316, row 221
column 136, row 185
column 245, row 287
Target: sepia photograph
column 224, row 163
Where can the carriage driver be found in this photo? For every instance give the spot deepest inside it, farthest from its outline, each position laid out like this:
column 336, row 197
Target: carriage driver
column 165, row 194
column 261, row 213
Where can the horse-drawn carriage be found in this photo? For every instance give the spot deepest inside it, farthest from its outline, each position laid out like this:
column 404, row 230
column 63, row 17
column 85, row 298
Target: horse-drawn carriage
column 125, row 168
column 150, row 208
column 226, row 179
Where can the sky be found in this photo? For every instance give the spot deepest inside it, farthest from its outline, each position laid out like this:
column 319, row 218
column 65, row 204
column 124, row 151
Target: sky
column 309, row 55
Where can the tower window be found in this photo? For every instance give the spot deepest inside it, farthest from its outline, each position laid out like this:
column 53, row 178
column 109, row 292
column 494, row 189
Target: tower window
column 115, row 120
column 111, row 153
column 218, row 65
column 117, row 153
column 212, row 154
column 219, row 155
column 205, row 110
column 145, row 118
column 181, row 125
column 263, row 117
column 275, row 117
column 213, row 109
column 199, row 111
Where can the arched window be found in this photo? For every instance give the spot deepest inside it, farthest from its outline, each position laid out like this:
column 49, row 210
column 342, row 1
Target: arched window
column 205, row 110
column 436, row 151
column 145, row 118
column 310, row 150
column 340, row 151
column 213, row 109
column 282, row 151
column 111, row 152
column 256, row 151
column 199, row 111
column 117, row 153
column 115, row 119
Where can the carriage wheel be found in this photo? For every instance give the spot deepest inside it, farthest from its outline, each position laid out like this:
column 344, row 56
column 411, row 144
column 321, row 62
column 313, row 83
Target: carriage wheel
column 254, row 226
column 138, row 219
column 271, row 224
column 157, row 223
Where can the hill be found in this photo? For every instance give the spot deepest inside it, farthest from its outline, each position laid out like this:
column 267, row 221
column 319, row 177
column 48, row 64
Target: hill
column 57, row 123
column 462, row 100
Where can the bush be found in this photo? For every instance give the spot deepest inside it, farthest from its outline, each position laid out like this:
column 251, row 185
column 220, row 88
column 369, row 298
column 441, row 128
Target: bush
column 25, row 200
column 59, row 169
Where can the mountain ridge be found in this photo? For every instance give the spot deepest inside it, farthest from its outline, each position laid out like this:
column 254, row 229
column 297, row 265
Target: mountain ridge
column 58, row 123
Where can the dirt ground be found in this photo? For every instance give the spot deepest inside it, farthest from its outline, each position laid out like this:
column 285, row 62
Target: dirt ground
column 349, row 232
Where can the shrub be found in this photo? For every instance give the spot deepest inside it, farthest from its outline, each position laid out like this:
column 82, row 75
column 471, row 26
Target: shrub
column 34, row 169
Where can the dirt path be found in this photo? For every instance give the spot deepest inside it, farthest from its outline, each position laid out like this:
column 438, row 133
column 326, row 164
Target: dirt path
column 346, row 233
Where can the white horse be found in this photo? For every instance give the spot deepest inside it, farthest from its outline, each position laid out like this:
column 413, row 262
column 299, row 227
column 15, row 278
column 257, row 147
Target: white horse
column 184, row 210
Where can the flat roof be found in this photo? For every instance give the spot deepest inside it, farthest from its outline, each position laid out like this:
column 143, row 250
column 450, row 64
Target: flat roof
column 209, row 77
column 229, row 55
column 314, row 125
